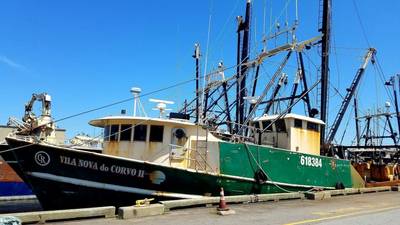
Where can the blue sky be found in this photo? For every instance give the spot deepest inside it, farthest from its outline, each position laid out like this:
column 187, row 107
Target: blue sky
column 90, row 53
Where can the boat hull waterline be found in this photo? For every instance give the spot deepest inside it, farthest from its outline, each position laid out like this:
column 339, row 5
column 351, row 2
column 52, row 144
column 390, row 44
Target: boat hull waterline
column 68, row 178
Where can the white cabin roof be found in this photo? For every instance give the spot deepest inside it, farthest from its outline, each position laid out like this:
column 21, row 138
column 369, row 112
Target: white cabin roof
column 288, row 116
column 101, row 122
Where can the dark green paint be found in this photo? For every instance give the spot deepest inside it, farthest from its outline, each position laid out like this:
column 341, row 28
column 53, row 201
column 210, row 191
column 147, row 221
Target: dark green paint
column 281, row 166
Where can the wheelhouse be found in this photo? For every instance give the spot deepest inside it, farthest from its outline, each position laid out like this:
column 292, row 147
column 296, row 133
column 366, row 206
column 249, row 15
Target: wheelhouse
column 174, row 142
column 293, row 132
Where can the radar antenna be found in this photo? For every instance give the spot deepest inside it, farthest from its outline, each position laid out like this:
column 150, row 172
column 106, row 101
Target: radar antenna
column 161, row 105
column 136, row 102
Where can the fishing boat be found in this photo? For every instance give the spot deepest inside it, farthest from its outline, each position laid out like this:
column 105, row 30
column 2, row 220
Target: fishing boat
column 10, row 183
column 194, row 152
column 170, row 159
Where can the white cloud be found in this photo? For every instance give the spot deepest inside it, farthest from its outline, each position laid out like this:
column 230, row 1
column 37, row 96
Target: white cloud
column 11, row 63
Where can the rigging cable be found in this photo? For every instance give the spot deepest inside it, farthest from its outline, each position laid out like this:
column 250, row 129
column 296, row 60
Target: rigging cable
column 149, row 93
column 347, row 125
column 217, row 41
column 206, row 59
column 264, row 38
column 280, row 15
column 222, row 31
column 361, row 24
column 122, row 101
column 336, row 59
column 16, row 148
column 380, row 71
column 383, row 78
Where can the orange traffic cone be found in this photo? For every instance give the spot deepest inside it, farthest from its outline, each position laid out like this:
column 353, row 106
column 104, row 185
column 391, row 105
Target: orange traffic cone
column 222, row 204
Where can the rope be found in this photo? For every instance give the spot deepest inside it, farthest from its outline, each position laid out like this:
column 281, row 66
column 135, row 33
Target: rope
column 269, row 178
column 262, row 170
column 16, row 148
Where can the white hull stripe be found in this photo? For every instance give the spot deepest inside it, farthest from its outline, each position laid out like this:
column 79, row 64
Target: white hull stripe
column 112, row 187
column 274, row 182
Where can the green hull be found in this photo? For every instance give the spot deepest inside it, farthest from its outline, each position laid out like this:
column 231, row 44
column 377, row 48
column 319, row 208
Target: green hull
column 271, row 170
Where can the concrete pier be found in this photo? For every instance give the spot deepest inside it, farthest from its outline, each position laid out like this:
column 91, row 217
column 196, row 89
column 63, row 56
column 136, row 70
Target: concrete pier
column 333, row 207
column 68, row 214
column 369, row 208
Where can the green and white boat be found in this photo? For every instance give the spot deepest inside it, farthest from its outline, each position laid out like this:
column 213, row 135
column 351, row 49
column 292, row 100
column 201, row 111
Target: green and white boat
column 176, row 157
column 173, row 158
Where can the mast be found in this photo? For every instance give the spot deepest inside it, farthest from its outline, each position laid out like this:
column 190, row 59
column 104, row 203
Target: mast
column 245, row 27
column 357, row 121
column 197, row 57
column 239, row 20
column 305, row 87
column 396, row 103
column 326, row 30
column 392, row 82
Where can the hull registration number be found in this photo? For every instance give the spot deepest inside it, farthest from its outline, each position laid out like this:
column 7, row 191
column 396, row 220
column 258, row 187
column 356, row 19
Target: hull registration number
column 310, row 161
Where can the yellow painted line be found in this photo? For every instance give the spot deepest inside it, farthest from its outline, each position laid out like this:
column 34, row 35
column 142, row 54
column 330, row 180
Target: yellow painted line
column 342, row 210
column 343, row 215
column 351, row 209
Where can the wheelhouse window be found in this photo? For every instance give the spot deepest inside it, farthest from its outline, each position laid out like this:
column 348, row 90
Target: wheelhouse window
column 114, row 133
column 267, row 124
column 280, row 125
column 298, row 123
column 107, row 133
column 140, row 133
column 156, row 133
column 256, row 124
column 312, row 126
column 126, row 132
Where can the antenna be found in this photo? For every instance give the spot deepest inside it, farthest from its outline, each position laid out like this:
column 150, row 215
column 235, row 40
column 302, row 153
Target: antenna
column 136, row 101
column 252, row 99
column 161, row 105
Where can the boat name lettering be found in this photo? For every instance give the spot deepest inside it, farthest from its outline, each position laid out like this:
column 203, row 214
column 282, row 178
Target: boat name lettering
column 310, row 161
column 102, row 167
column 127, row 171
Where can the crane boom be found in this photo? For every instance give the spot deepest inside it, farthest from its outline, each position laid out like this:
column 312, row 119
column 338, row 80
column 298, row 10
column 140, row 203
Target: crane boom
column 350, row 93
column 46, row 107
